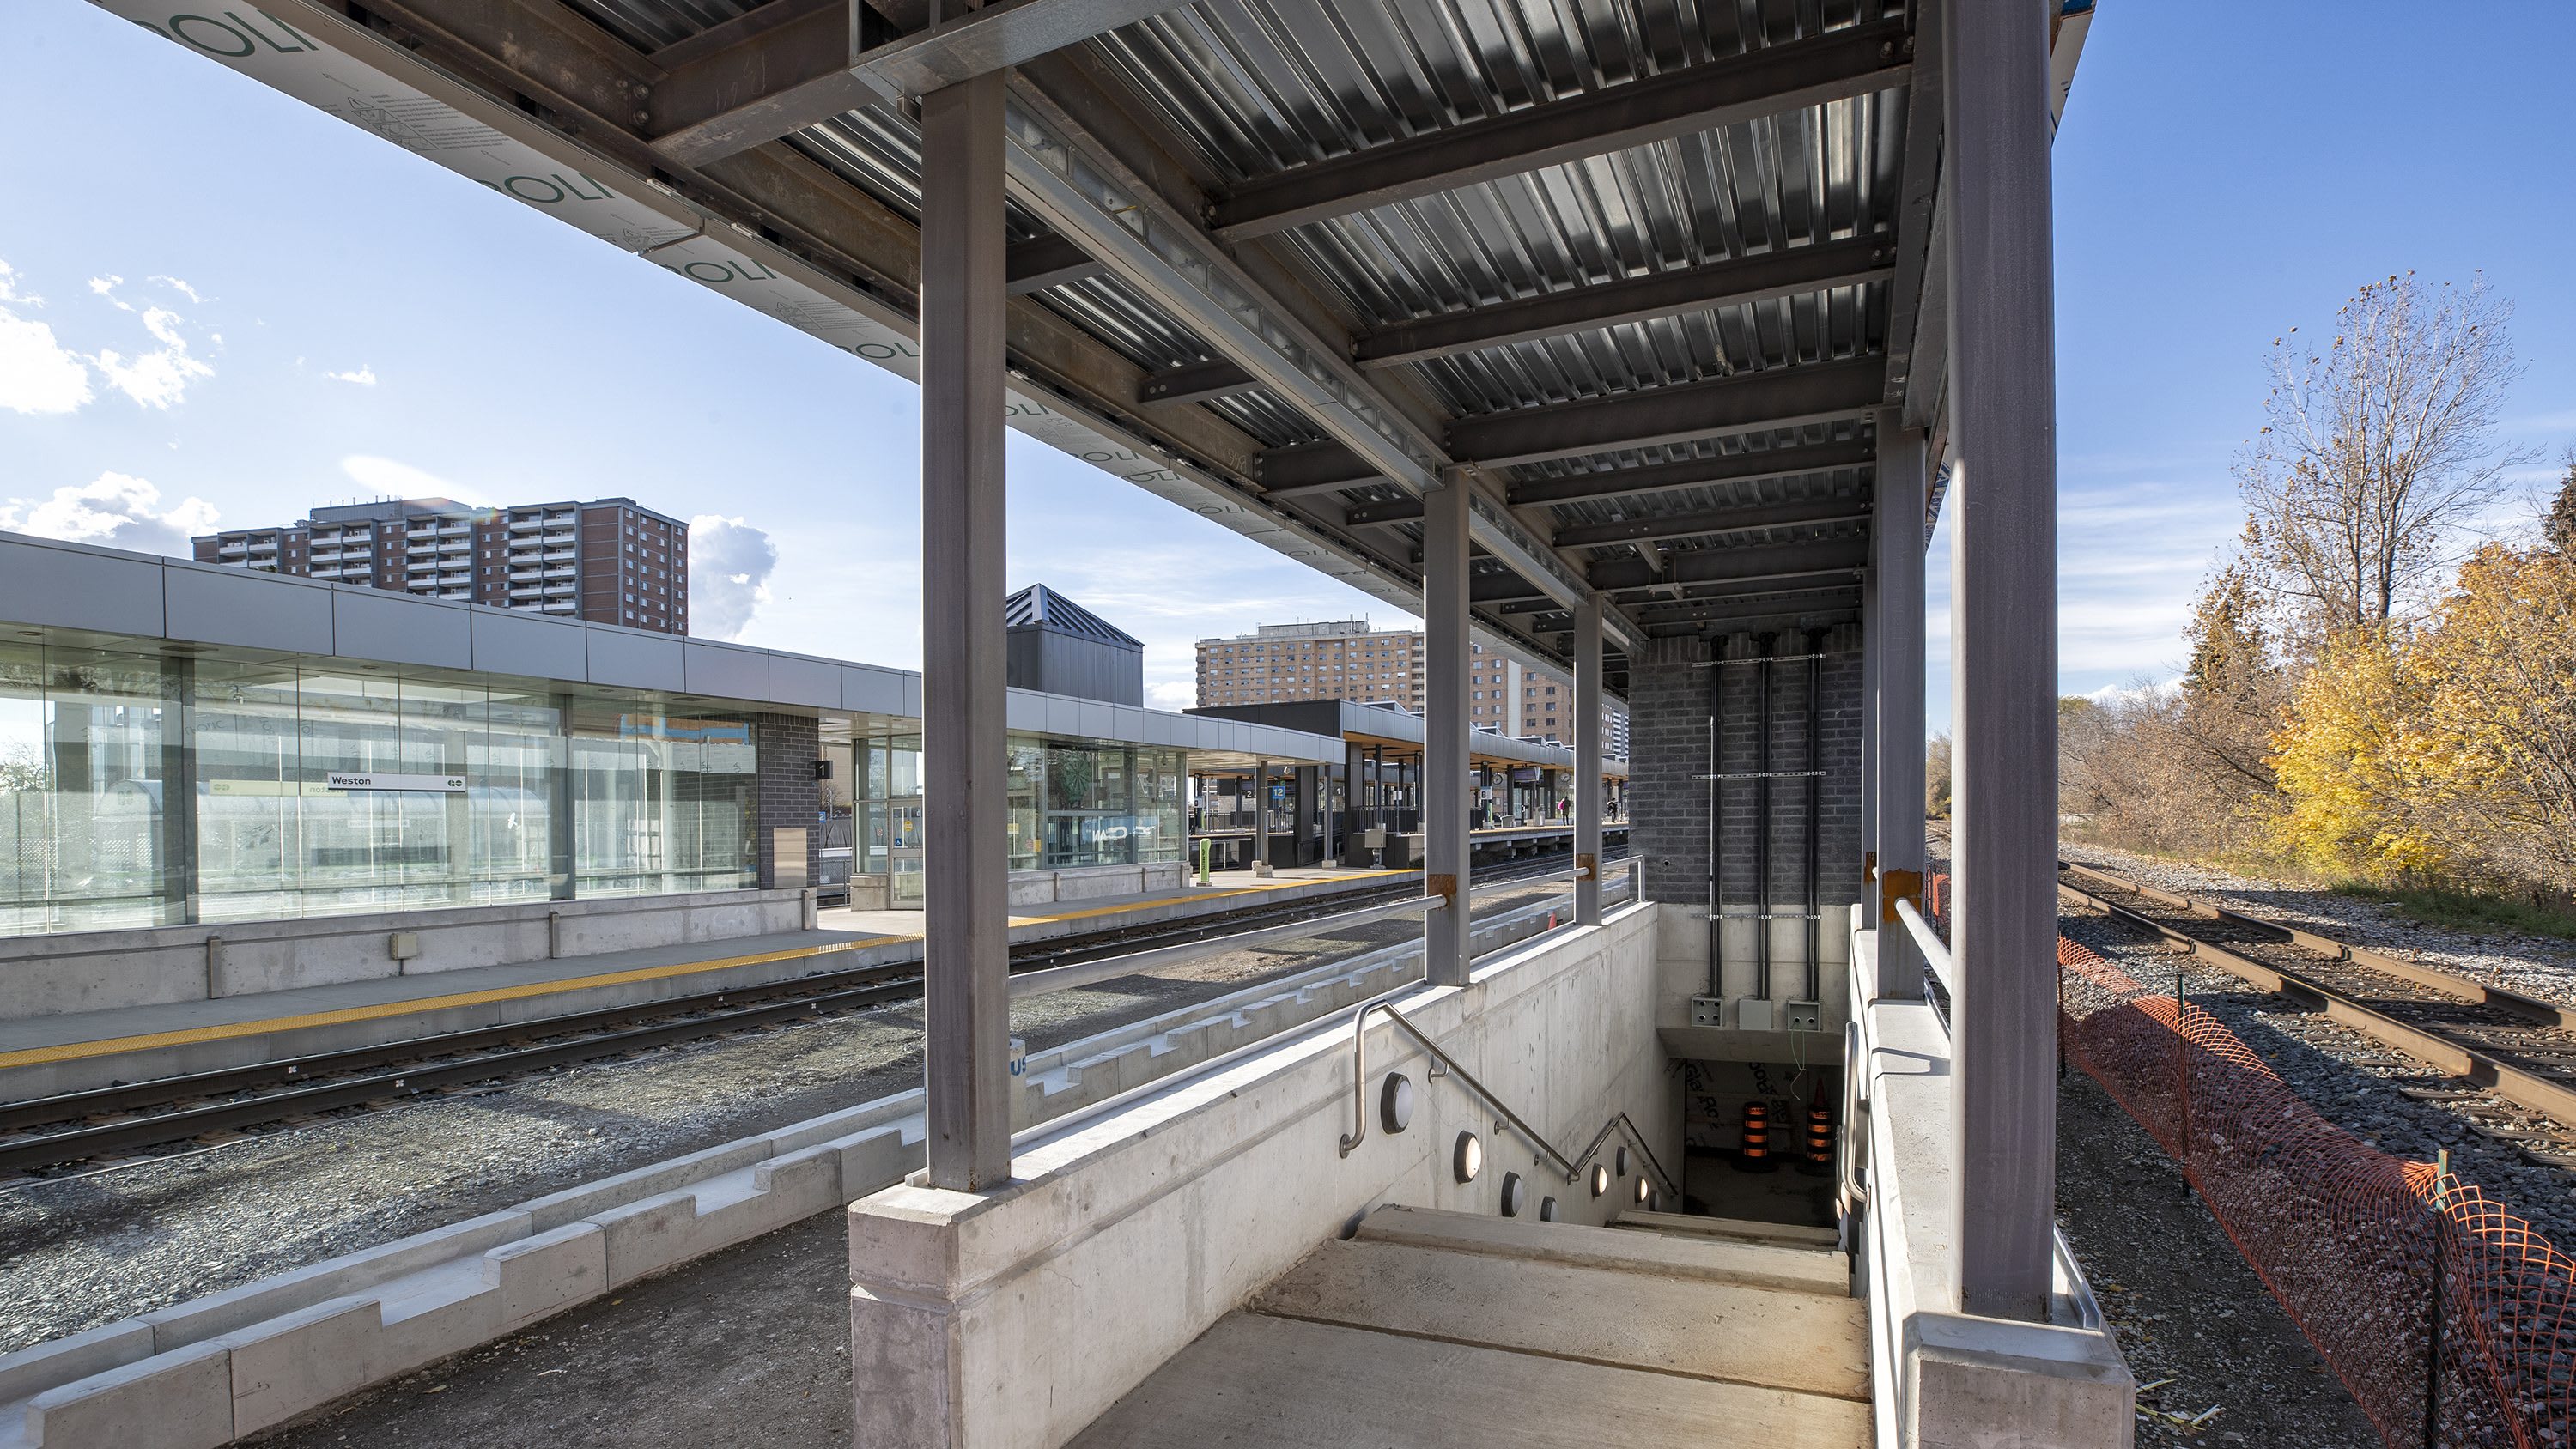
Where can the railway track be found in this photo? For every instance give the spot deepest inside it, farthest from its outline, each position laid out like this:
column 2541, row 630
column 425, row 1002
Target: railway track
column 2513, row 1057
column 45, row 1139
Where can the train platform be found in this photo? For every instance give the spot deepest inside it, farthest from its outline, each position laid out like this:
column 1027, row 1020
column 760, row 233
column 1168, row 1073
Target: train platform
column 46, row 1056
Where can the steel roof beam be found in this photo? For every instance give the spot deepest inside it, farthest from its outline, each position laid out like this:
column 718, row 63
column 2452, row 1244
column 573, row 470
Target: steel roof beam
column 1725, row 605
column 1047, row 261
column 1735, row 565
column 1195, row 382
column 1780, row 397
column 1805, row 512
column 1610, row 483
column 1737, row 280
column 1788, row 76
column 778, row 79
column 1613, row 483
column 1918, row 191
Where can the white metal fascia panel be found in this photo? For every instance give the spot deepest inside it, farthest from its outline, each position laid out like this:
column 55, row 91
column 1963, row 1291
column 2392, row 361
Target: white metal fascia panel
column 632, row 659
column 1025, row 710
column 211, row 604
column 398, row 629
column 728, row 671
column 68, row 586
column 804, row 679
column 510, row 641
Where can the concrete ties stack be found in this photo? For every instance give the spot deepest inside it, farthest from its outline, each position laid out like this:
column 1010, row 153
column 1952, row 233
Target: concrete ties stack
column 1436, row 1328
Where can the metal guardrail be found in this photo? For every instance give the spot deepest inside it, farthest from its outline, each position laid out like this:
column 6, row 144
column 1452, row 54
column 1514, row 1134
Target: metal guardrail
column 1067, row 978
column 1936, row 952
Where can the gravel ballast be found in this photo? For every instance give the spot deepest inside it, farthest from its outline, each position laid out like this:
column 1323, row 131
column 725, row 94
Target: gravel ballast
column 79, row 1252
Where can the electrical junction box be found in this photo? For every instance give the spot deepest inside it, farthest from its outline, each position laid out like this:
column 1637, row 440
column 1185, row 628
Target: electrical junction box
column 1708, row 1011
column 402, row 945
column 1804, row 1016
column 1752, row 1013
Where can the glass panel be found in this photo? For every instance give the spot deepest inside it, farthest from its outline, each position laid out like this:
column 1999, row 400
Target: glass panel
column 661, row 803
column 250, row 824
column 83, row 766
column 1027, row 765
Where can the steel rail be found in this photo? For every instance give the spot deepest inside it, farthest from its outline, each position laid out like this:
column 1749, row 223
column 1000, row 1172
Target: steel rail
column 2443, row 1053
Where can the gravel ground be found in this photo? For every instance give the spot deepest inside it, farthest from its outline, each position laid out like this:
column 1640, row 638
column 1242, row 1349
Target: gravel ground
column 81, row 1252
column 753, row 1343
column 2191, row 1317
column 2541, row 966
column 2351, row 1080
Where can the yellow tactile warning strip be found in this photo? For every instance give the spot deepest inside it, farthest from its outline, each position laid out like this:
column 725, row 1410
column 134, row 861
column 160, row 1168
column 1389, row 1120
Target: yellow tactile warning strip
column 109, row 1046
column 105, row 1046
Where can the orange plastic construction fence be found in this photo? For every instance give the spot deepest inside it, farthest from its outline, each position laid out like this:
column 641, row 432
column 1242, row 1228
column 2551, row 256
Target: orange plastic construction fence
column 2451, row 1321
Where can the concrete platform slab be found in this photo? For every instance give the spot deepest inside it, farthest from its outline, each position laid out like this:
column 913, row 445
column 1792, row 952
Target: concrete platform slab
column 1256, row 1382
column 1799, row 1341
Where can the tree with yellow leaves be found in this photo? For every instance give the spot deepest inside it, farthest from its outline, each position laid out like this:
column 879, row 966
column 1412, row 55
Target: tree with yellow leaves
column 2450, row 751
column 2350, row 765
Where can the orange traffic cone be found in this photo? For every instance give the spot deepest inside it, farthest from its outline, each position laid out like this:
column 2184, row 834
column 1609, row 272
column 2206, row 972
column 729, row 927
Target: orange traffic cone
column 1820, row 1136
column 1755, row 1154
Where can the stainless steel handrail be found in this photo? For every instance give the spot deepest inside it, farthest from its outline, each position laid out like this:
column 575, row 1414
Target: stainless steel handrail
column 1448, row 1065
column 1359, row 1085
column 1619, row 1123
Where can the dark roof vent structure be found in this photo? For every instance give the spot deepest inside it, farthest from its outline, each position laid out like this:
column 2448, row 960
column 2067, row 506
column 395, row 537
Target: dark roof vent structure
column 1059, row 647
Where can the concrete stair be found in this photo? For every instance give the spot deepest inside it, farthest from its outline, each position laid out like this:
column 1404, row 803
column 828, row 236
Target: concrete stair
column 1435, row 1328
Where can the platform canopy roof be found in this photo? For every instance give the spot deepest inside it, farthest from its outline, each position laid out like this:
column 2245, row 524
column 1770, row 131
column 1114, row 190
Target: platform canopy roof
column 1644, row 273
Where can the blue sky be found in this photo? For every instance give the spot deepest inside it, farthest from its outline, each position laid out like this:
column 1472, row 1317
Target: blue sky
column 224, row 306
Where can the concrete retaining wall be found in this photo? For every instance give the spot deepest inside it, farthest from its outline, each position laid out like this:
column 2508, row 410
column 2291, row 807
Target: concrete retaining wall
column 1092, row 882
column 203, row 1372
column 101, row 970
column 981, row 1312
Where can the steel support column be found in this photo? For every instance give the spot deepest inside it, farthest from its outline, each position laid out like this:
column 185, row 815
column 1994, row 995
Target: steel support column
column 1354, row 798
column 1261, row 817
column 965, row 868
column 1869, row 647
column 1445, row 736
column 2003, row 650
column 1897, row 737
column 1589, row 746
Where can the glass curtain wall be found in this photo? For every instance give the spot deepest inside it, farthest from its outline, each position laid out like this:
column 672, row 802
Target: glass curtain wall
column 86, row 759
column 1071, row 803
column 142, row 791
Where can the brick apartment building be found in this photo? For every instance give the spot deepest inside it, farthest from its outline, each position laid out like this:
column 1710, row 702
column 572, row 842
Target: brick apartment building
column 1345, row 659
column 610, row 561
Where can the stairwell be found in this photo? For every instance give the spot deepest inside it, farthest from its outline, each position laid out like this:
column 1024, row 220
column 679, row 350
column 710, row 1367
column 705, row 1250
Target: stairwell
column 1429, row 1328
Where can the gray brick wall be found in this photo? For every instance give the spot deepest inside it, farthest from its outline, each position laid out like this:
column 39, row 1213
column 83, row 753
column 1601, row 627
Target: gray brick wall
column 786, row 747
column 1669, row 711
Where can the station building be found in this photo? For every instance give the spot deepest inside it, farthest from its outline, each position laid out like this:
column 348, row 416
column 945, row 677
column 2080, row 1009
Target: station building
column 342, row 751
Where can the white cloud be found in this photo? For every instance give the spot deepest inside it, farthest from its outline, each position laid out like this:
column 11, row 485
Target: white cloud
column 2140, row 690
column 37, row 373
column 365, row 376
column 729, row 567
column 1174, row 694
column 159, row 378
column 180, row 287
column 402, row 480
column 117, row 510
column 106, row 287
